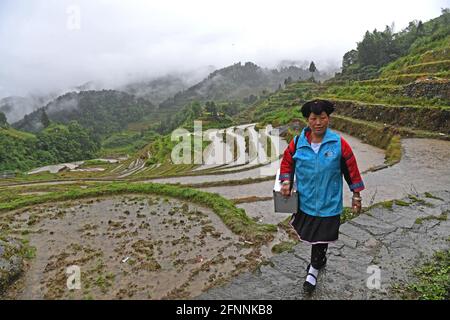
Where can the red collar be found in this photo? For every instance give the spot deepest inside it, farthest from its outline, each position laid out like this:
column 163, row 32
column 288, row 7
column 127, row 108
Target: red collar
column 308, row 136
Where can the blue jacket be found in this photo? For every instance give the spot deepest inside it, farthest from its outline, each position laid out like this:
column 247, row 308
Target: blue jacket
column 319, row 176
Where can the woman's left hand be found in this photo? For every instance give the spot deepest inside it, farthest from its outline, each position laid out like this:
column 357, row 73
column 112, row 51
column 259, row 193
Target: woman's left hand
column 356, row 205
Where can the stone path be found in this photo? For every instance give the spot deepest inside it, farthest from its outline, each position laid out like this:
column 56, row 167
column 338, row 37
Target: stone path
column 393, row 240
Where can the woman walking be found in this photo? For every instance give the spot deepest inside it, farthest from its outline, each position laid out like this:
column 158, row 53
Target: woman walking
column 320, row 158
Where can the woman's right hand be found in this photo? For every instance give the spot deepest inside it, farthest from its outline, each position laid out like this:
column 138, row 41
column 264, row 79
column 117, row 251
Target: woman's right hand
column 286, row 189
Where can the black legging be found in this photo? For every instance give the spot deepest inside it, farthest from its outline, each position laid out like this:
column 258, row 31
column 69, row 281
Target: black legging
column 318, row 255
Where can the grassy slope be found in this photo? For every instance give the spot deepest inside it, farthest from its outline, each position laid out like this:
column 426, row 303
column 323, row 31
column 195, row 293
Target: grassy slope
column 428, row 57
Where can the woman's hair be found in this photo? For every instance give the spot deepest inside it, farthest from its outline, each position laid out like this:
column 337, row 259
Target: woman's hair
column 317, row 107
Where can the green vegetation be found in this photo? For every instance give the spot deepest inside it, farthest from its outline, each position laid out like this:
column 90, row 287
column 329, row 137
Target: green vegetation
column 432, row 280
column 283, row 246
column 3, row 120
column 401, row 203
column 379, row 48
column 420, row 201
column 441, row 217
column 126, row 142
column 387, row 94
column 237, row 83
column 27, row 251
column 93, row 162
column 408, row 68
column 102, row 112
column 429, row 195
column 347, row 214
column 61, row 143
column 55, row 144
column 394, row 151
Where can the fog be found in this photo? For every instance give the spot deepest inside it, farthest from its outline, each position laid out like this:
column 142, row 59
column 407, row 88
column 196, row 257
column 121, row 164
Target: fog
column 49, row 46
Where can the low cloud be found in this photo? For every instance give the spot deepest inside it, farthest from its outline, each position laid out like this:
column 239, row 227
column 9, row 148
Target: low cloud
column 52, row 45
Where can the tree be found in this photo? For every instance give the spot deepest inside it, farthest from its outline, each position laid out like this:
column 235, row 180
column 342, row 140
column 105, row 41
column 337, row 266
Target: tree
column 196, row 108
column 420, row 30
column 211, row 108
column 366, row 49
column 3, row 120
column 44, row 119
column 230, row 109
column 350, row 58
column 67, row 143
column 288, row 80
column 312, row 68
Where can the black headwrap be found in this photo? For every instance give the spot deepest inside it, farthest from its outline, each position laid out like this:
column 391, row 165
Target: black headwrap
column 317, row 107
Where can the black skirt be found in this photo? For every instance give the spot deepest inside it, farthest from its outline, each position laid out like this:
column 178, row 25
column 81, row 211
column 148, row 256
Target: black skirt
column 314, row 229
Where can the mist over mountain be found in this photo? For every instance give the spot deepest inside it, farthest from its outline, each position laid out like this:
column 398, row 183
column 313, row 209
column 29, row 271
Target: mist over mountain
column 163, row 87
column 235, row 82
column 102, row 111
column 239, row 81
column 16, row 107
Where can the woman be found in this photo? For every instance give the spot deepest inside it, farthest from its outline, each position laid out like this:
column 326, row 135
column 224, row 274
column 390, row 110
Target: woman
column 320, row 158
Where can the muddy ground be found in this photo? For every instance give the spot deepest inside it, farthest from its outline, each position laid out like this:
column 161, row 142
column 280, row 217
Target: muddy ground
column 127, row 247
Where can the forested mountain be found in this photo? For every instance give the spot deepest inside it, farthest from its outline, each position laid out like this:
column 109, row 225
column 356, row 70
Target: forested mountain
column 103, row 112
column 419, row 75
column 163, row 87
column 237, row 82
column 157, row 90
column 57, row 143
column 16, row 107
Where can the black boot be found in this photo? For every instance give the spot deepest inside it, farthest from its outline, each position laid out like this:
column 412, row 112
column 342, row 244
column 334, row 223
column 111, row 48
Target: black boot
column 318, row 261
column 318, row 255
column 308, row 287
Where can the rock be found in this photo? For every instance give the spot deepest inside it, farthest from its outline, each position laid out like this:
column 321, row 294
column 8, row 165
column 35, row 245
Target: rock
column 371, row 243
column 11, row 262
column 347, row 241
column 354, row 232
column 374, row 226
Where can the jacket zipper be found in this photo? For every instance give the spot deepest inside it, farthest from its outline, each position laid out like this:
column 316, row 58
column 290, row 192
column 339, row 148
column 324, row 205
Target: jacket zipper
column 316, row 173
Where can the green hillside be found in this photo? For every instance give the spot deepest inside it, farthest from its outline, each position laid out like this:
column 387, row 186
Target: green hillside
column 103, row 112
column 420, row 78
column 387, row 105
column 57, row 143
column 417, row 77
column 238, row 83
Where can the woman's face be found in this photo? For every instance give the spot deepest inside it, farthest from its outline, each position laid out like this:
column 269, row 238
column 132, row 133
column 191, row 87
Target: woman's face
column 318, row 123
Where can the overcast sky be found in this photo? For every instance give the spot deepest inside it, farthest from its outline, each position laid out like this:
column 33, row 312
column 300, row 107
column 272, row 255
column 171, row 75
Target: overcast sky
column 51, row 44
